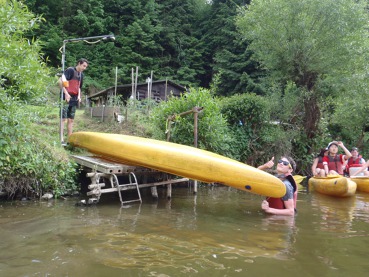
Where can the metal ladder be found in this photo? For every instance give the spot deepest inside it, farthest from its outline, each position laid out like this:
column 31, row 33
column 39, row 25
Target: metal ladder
column 120, row 187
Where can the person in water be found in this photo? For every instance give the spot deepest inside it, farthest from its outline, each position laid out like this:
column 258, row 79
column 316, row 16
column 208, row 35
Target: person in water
column 334, row 163
column 317, row 168
column 287, row 204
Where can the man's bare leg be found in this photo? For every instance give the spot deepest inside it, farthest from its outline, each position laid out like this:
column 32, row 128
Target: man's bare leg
column 70, row 126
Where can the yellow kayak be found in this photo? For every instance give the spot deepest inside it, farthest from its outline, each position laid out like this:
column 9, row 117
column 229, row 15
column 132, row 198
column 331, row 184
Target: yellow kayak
column 335, row 185
column 299, row 179
column 362, row 183
column 180, row 160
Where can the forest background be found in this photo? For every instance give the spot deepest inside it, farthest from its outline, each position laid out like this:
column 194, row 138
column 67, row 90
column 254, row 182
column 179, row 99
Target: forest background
column 274, row 77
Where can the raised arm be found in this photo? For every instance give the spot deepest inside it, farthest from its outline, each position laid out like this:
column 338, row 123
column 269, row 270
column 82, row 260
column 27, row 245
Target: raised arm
column 347, row 153
column 267, row 165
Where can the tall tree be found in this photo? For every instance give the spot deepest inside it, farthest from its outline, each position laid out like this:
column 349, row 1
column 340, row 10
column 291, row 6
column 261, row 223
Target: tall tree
column 321, row 46
column 227, row 60
column 179, row 39
column 153, row 35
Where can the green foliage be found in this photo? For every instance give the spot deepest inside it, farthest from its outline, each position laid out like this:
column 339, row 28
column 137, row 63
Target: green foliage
column 155, row 36
column 227, row 51
column 256, row 137
column 213, row 134
column 27, row 161
column 349, row 122
column 137, row 117
column 23, row 73
column 245, row 109
column 305, row 57
column 300, row 42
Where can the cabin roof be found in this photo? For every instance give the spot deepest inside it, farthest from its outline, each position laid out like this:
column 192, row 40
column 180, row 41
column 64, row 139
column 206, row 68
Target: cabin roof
column 128, row 87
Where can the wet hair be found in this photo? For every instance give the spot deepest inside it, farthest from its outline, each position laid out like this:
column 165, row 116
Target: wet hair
column 82, row 60
column 291, row 161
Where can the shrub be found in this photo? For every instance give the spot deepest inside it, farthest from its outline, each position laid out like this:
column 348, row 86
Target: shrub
column 213, row 132
column 28, row 162
column 256, row 137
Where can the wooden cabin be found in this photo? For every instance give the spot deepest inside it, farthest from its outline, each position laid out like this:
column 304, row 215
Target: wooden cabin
column 160, row 91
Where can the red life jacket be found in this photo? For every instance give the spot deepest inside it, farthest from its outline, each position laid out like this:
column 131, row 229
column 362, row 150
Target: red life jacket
column 320, row 163
column 278, row 203
column 74, row 83
column 335, row 164
column 355, row 163
column 352, row 163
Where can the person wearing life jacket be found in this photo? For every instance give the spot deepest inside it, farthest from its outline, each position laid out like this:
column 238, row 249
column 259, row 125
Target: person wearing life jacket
column 71, row 84
column 334, row 162
column 317, row 167
column 364, row 169
column 356, row 160
column 285, row 205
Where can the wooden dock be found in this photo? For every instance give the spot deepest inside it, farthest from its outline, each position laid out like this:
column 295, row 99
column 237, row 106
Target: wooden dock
column 101, row 170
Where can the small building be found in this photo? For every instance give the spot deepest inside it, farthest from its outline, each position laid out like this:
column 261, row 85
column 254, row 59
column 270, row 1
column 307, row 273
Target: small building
column 159, row 91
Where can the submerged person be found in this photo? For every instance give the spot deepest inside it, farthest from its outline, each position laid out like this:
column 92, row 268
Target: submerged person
column 334, row 162
column 285, row 205
column 317, row 167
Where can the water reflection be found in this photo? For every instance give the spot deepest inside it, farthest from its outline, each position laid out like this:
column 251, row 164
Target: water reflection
column 203, row 237
column 336, row 213
column 284, row 232
column 362, row 207
column 217, row 232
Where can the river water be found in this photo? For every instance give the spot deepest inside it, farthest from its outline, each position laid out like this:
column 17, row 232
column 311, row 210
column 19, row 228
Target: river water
column 217, row 232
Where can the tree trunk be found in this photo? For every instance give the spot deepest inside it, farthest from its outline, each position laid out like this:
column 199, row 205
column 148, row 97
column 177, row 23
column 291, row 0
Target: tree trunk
column 311, row 116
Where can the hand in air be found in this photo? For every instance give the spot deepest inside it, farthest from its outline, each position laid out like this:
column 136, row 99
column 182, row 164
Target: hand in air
column 270, row 164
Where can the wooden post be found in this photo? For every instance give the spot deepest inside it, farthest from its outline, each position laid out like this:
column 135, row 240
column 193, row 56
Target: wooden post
column 126, row 117
column 116, row 83
column 148, row 89
column 169, row 124
column 169, row 191
column 136, row 82
column 133, row 85
column 195, row 115
column 151, row 84
column 171, row 118
column 154, row 192
column 166, row 89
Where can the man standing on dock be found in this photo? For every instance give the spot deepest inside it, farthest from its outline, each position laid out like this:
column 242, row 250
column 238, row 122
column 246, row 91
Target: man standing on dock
column 71, row 84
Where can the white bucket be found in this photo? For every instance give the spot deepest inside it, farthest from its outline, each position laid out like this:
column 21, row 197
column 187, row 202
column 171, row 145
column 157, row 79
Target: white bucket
column 354, row 169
